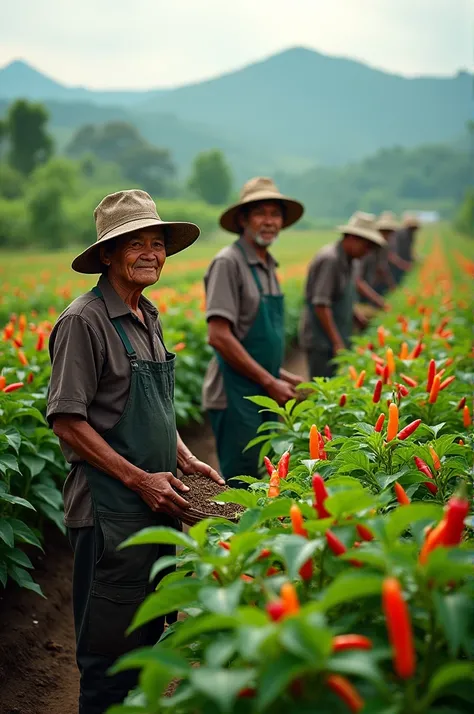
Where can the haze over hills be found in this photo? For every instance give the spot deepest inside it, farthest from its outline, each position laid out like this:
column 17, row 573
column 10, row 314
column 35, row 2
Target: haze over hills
column 289, row 111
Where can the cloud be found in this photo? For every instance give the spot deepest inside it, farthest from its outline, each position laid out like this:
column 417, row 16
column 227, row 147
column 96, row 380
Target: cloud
column 145, row 43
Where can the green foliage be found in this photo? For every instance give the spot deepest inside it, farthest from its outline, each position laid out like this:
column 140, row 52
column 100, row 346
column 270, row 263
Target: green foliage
column 465, row 217
column 29, row 144
column 11, row 182
column 211, row 177
column 141, row 163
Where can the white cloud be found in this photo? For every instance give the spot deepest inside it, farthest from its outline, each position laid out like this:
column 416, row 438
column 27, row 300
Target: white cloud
column 150, row 43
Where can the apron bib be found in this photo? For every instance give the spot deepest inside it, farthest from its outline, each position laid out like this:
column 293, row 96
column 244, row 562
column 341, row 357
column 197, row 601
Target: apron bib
column 145, row 435
column 235, row 426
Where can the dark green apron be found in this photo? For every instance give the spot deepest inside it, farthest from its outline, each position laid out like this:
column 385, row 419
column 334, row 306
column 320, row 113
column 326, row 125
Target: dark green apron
column 236, row 425
column 320, row 356
column 112, row 586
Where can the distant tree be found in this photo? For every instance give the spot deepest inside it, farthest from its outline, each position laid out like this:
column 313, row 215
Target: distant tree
column 29, row 143
column 11, row 182
column 211, row 178
column 141, row 163
column 465, row 218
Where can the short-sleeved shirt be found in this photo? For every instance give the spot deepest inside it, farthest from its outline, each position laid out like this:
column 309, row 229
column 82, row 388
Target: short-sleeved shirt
column 231, row 293
column 91, row 375
column 372, row 264
column 329, row 274
column 404, row 239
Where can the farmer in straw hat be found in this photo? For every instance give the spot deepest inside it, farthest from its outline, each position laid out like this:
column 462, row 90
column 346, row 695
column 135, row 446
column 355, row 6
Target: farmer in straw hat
column 111, row 405
column 245, row 324
column 373, row 274
column 403, row 256
column 327, row 319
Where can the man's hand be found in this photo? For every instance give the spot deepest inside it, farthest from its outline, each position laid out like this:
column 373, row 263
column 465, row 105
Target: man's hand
column 360, row 318
column 157, row 491
column 338, row 346
column 193, row 466
column 281, row 391
column 293, row 379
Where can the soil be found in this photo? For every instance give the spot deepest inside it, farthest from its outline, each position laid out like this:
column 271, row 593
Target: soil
column 38, row 673
column 202, row 489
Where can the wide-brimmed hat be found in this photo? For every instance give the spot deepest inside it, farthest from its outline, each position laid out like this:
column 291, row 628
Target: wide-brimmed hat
column 126, row 211
column 256, row 190
column 363, row 225
column 410, row 220
column 387, row 221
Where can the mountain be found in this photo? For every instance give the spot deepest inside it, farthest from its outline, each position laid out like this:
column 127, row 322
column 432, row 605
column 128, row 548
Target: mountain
column 292, row 110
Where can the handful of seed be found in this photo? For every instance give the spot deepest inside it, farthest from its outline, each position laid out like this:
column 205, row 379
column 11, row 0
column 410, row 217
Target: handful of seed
column 201, row 490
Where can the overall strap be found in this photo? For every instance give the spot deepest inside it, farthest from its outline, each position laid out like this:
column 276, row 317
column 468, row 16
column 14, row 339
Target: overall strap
column 119, row 328
column 253, row 270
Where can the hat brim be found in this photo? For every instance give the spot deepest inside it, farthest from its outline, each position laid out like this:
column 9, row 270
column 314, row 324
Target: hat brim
column 178, row 236
column 372, row 236
column 388, row 226
column 229, row 220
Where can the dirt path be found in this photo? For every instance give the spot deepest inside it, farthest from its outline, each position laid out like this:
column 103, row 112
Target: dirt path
column 38, row 672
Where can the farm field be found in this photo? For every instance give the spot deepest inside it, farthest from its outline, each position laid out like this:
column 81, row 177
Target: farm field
column 327, row 572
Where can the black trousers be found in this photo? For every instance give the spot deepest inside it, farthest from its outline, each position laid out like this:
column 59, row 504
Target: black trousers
column 99, row 625
column 319, row 363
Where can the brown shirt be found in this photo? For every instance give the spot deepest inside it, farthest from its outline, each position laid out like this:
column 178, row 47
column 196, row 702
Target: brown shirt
column 231, row 293
column 328, row 276
column 90, row 374
column 374, row 264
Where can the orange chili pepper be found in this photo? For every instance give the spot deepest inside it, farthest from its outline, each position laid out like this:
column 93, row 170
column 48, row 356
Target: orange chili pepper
column 392, row 428
column 381, row 335
column 404, row 351
column 3, row 382
column 390, row 361
column 434, row 538
column 447, row 382
column 466, row 416
column 297, row 521
column 314, row 449
column 346, row 691
column 352, row 373
column 40, row 342
column 435, row 457
column 274, row 487
column 399, row 628
column 401, row 494
column 289, row 598
column 360, row 379
column 22, row 358
column 435, row 389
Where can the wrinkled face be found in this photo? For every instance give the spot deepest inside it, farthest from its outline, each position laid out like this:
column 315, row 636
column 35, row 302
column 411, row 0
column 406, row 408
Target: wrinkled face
column 137, row 258
column 263, row 222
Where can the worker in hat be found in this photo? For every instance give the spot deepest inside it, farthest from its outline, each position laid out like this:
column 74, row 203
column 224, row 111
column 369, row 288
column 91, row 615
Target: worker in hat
column 330, row 293
column 110, row 402
column 373, row 275
column 245, row 317
column 403, row 255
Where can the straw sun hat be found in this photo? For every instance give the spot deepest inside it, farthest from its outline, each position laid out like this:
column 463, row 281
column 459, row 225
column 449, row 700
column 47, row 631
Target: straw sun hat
column 363, row 225
column 126, row 211
column 387, row 221
column 256, row 190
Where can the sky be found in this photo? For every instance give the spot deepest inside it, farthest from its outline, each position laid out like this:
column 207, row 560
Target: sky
column 160, row 43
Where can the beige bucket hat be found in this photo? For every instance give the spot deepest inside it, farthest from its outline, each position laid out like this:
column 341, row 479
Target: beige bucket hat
column 387, row 221
column 126, row 211
column 363, row 225
column 260, row 189
column 410, row 220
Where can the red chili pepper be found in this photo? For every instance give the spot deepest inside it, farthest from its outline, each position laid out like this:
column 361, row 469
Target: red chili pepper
column 246, row 578
column 320, row 495
column 456, row 513
column 364, row 532
column 399, row 628
column 3, row 382
column 424, row 469
column 327, row 433
column 346, row 691
column 283, row 465
column 12, row 387
column 271, row 571
column 379, row 423
column 386, row 374
column 340, row 643
column 466, row 416
column 461, row 404
column 402, row 390
column 18, row 341
column 408, row 430
column 342, row 400
column 224, row 545
column 434, row 538
column 40, row 342
column 417, row 350
column 401, row 494
column 335, row 545
column 306, row 570
column 264, row 553
column 30, row 378
column 435, row 389
column 447, row 382
column 408, row 380
column 379, row 370
column 268, row 465
column 431, row 375
column 247, row 693
column 276, row 610
column 461, row 442
column 377, row 392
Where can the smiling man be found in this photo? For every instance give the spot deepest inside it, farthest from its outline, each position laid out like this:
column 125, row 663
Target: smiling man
column 111, row 405
column 245, row 315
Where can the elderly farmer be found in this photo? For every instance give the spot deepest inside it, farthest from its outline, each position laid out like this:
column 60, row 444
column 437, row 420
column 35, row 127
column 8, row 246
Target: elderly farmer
column 403, row 255
column 246, row 324
column 373, row 274
column 111, row 405
column 330, row 291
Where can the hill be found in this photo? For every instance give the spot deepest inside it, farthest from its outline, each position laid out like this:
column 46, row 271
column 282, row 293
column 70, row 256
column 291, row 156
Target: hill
column 291, row 110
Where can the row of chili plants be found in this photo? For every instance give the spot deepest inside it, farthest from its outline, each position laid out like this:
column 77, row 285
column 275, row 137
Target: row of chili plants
column 347, row 583
column 32, row 468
